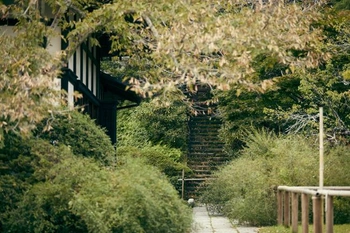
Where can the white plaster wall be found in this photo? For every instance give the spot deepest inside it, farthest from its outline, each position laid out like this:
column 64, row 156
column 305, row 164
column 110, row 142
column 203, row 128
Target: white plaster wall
column 78, row 63
column 70, row 95
column 90, row 64
column 54, row 46
column 84, row 67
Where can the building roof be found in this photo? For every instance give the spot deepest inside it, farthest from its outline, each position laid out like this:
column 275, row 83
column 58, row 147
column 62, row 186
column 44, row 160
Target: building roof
column 109, row 83
column 122, row 90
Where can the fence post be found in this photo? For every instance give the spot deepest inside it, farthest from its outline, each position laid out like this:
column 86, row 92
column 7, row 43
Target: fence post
column 305, row 213
column 295, row 210
column 279, row 207
column 183, row 184
column 317, row 212
column 329, row 214
column 286, row 214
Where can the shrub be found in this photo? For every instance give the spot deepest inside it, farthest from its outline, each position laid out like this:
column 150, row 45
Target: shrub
column 22, row 166
column 45, row 187
column 21, row 163
column 82, row 135
column 81, row 196
column 151, row 123
column 336, row 173
column 167, row 160
column 245, row 189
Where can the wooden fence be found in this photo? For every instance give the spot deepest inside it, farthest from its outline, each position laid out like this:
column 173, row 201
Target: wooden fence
column 288, row 206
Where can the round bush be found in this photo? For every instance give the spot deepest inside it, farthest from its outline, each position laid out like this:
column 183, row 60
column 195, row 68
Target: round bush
column 82, row 135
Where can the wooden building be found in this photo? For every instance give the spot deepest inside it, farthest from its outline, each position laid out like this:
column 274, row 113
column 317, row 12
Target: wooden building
column 101, row 93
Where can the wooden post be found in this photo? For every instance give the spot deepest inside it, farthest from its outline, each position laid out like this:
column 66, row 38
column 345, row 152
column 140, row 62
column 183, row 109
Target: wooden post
column 295, row 207
column 321, row 149
column 321, row 178
column 286, row 205
column 329, row 214
column 279, row 207
column 183, row 184
column 305, row 213
column 317, row 212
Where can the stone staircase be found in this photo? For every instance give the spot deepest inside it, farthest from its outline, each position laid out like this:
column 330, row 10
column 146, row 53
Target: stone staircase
column 205, row 149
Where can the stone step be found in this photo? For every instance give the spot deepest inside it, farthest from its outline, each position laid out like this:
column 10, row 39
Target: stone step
column 206, row 138
column 195, row 124
column 204, row 117
column 199, row 168
column 209, row 159
column 204, row 126
column 204, row 132
column 205, row 154
column 207, row 141
column 198, row 149
column 203, row 176
column 201, row 171
column 198, row 159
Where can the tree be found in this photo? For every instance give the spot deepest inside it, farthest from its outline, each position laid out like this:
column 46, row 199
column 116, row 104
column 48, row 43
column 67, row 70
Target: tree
column 241, row 109
column 25, row 78
column 327, row 86
column 174, row 42
column 217, row 43
column 292, row 104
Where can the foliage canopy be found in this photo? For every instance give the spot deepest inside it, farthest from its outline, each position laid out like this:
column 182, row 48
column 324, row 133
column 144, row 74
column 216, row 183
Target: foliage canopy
column 292, row 104
column 169, row 44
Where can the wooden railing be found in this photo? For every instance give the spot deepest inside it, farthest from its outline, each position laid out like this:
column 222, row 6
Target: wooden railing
column 288, row 206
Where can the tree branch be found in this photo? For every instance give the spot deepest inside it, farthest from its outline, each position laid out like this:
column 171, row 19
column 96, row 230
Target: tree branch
column 150, row 25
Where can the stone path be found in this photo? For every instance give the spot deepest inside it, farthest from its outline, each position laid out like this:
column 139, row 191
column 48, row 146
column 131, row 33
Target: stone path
column 204, row 223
